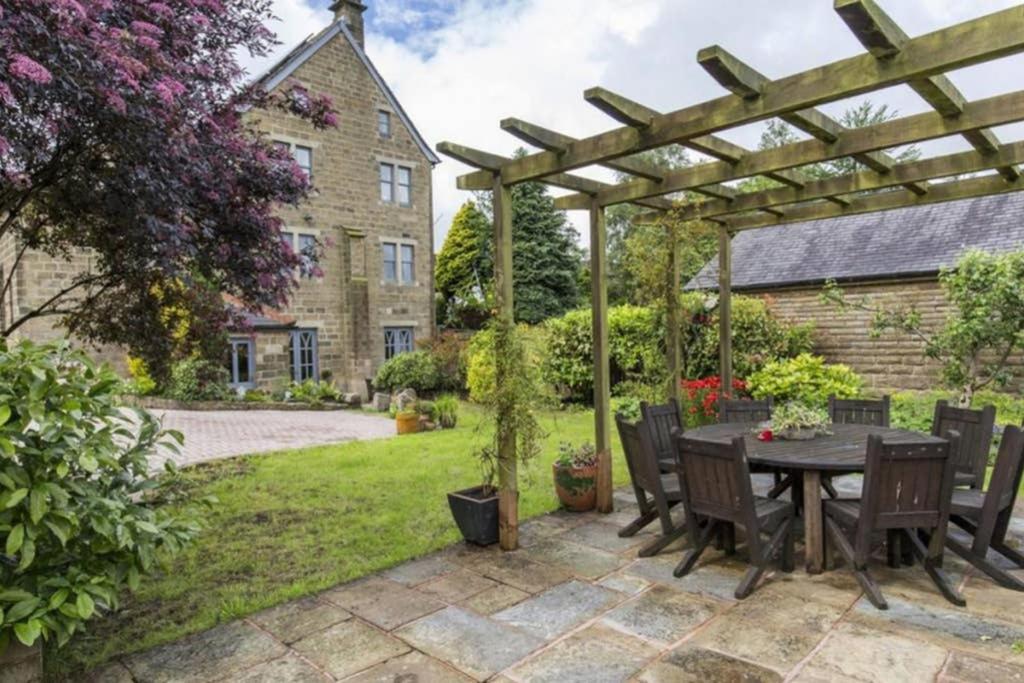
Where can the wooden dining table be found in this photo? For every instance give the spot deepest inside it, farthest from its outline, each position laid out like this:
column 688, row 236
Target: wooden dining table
column 843, row 451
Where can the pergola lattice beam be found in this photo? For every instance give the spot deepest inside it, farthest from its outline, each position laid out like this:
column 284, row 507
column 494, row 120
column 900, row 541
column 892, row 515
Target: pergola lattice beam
column 989, row 37
column 993, row 111
column 494, row 162
column 743, row 80
column 884, row 39
column 545, row 138
column 631, row 113
column 915, row 171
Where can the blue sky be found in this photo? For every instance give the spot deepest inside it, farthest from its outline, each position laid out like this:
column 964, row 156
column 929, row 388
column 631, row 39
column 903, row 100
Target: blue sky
column 460, row 66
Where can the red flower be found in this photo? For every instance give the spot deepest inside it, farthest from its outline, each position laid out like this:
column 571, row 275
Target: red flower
column 766, row 435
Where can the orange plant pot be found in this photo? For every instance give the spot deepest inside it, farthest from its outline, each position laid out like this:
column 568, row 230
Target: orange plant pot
column 576, row 487
column 407, row 424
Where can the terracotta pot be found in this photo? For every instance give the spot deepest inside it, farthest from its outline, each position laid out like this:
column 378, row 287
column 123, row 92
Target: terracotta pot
column 576, row 487
column 407, row 424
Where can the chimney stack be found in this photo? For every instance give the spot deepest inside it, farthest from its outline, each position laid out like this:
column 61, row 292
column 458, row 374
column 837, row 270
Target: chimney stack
column 351, row 12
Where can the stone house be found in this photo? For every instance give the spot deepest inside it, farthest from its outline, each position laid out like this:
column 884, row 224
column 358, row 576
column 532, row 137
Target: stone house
column 892, row 258
column 371, row 208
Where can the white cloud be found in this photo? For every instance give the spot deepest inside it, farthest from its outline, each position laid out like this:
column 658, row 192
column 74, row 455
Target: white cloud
column 487, row 60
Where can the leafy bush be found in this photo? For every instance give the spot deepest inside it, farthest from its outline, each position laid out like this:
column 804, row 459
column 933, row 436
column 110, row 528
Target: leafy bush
column 480, row 361
column 141, row 383
column 627, row 407
column 197, row 379
column 446, row 411
column 81, row 514
column 427, row 409
column 255, row 396
column 807, row 379
column 448, row 350
column 413, row 370
column 313, row 392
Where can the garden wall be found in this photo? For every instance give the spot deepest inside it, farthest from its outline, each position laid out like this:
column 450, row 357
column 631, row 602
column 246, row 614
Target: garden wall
column 893, row 361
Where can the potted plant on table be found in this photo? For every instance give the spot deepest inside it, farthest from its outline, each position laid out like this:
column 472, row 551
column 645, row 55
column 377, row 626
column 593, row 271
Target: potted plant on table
column 796, row 421
column 575, row 472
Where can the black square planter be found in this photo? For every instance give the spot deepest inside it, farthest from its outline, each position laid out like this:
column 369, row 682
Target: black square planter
column 476, row 513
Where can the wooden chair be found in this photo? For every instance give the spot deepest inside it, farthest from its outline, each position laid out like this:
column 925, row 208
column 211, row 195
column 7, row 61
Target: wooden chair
column 874, row 413
column 647, row 478
column 986, row 516
column 734, row 410
column 660, row 421
column 907, row 488
column 859, row 411
column 975, row 428
column 715, row 481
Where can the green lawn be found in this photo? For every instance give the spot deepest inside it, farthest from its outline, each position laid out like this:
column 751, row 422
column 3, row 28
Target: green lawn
column 294, row 523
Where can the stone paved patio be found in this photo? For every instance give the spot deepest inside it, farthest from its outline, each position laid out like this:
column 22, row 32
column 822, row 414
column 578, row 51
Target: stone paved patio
column 214, row 434
column 576, row 604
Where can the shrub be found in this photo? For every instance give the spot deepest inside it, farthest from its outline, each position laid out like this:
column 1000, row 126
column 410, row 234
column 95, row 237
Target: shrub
column 255, row 396
column 197, row 379
column 480, row 361
column 446, row 409
column 313, row 392
column 448, row 350
column 807, row 379
column 627, row 407
column 427, row 409
column 413, row 370
column 141, row 383
column 81, row 514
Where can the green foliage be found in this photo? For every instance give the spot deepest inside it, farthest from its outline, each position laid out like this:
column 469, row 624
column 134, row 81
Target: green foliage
column 806, row 379
column 81, row 515
column 481, row 364
column 584, row 455
column 313, row 392
column 415, row 370
column 647, row 257
column 256, row 396
column 446, row 411
column 448, row 350
column 797, row 416
column 464, row 266
column 197, row 379
column 142, row 383
column 427, row 409
column 984, row 330
column 627, row 407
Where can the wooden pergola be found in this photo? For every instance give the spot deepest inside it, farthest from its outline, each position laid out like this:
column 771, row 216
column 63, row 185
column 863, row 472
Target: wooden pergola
column 891, row 58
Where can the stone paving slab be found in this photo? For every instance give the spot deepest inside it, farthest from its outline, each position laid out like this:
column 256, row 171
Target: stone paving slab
column 559, row 609
column 410, row 668
column 595, row 655
column 963, row 668
column 289, row 668
column 421, row 570
column 580, row 560
column 295, row 620
column 459, row 585
column 662, row 614
column 854, row 653
column 349, row 647
column 494, row 599
column 383, row 602
column 220, row 652
column 476, row 645
column 692, row 664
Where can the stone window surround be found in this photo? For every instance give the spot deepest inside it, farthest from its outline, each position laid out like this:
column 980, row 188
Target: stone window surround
column 395, row 164
column 385, row 109
column 303, row 230
column 399, row 242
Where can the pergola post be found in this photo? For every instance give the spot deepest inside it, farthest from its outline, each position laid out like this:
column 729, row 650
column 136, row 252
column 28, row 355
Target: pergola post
column 725, row 309
column 602, row 381
column 672, row 340
column 508, row 487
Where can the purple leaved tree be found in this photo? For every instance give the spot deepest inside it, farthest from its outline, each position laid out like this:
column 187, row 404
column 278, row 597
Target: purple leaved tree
column 124, row 136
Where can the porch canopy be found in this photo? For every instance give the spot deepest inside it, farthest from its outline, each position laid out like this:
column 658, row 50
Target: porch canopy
column 891, row 58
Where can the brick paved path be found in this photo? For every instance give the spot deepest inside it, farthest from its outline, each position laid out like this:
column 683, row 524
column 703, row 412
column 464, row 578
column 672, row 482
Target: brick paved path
column 577, row 604
column 221, row 434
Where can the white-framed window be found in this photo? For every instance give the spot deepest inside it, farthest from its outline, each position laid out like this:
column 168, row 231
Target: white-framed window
column 302, row 155
column 395, row 184
column 303, row 353
column 305, row 245
column 242, row 363
column 384, row 123
column 398, row 263
column 397, row 340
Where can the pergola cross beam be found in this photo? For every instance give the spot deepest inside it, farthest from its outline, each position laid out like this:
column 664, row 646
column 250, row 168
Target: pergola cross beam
column 884, row 39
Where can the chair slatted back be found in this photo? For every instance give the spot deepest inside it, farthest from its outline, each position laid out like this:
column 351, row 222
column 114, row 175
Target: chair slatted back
column 859, row 411
column 716, row 480
column 975, row 428
column 660, row 420
column 733, row 410
column 640, row 458
column 906, row 486
column 1005, row 482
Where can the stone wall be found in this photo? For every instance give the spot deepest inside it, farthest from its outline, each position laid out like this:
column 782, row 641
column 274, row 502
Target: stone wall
column 893, row 361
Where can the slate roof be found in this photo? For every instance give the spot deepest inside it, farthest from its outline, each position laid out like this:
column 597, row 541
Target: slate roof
column 907, row 242
column 285, row 67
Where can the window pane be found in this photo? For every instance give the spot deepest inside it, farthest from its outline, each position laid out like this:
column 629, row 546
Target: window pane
column 384, row 123
column 397, row 340
column 302, row 352
column 242, row 353
column 282, row 145
column 307, row 254
column 304, row 158
column 404, row 186
column 408, row 270
column 387, row 190
column 390, row 262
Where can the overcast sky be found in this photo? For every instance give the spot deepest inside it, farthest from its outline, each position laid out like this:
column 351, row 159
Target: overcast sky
column 460, row 66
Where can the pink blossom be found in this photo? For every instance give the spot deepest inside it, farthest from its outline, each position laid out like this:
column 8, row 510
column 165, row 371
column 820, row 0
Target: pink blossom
column 6, row 96
column 4, row 146
column 30, row 70
column 160, row 9
column 167, row 89
column 144, row 28
column 330, row 119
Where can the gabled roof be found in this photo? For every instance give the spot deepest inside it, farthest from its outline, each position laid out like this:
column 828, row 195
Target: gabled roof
column 280, row 72
column 909, row 242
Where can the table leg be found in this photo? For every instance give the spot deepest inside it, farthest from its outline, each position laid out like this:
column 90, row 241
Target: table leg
column 814, row 541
